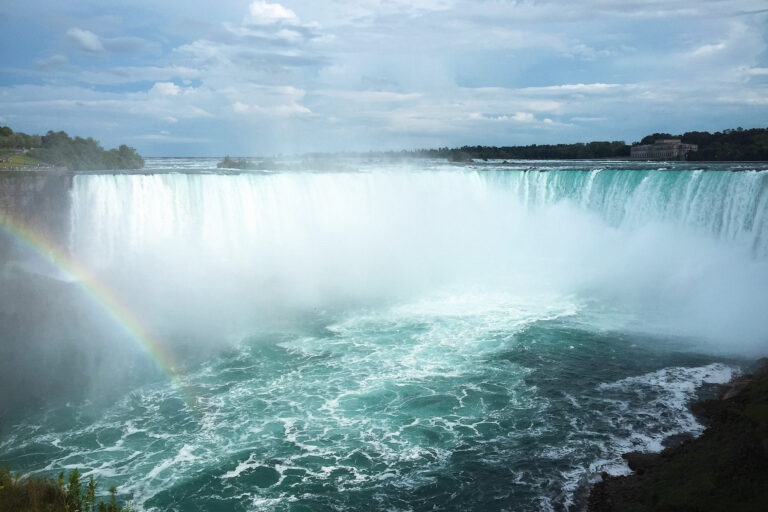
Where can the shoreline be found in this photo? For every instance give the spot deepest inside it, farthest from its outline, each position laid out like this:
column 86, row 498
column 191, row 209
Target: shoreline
column 725, row 468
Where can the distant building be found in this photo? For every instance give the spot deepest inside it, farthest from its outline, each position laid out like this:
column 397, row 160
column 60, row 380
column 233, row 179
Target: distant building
column 662, row 149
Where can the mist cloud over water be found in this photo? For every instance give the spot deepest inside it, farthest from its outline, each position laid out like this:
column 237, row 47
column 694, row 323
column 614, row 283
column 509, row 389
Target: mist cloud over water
column 679, row 252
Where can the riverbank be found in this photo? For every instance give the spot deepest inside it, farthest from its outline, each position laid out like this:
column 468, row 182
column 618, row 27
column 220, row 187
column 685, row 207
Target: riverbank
column 59, row 150
column 726, row 468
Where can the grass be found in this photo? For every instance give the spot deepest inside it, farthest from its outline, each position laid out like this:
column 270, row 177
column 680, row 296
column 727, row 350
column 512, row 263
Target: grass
column 20, row 160
column 70, row 494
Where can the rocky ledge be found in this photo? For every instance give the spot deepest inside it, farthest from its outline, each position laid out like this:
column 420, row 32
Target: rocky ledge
column 726, row 468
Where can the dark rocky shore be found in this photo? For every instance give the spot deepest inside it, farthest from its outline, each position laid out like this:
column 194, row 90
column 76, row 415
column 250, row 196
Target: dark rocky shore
column 726, row 468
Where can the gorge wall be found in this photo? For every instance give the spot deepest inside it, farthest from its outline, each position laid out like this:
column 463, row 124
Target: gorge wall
column 40, row 201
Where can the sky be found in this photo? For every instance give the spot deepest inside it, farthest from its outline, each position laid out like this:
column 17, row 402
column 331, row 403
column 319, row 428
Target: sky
column 243, row 77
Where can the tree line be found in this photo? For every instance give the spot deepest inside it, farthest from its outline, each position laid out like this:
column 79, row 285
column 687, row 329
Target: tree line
column 61, row 150
column 732, row 144
column 70, row 494
column 580, row 150
column 738, row 144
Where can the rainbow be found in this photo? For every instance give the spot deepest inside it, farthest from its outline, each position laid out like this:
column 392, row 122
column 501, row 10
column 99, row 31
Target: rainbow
column 101, row 295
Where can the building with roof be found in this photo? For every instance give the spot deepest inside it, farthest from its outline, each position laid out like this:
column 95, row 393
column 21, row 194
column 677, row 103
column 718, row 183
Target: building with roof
column 662, row 149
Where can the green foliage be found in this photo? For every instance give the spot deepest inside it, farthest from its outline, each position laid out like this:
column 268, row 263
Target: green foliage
column 17, row 140
column 85, row 154
column 242, row 163
column 59, row 149
column 597, row 149
column 65, row 494
column 19, row 161
column 649, row 139
column 738, row 144
column 230, row 163
column 74, row 491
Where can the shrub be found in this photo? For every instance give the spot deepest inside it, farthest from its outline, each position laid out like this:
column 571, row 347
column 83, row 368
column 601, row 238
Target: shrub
column 65, row 494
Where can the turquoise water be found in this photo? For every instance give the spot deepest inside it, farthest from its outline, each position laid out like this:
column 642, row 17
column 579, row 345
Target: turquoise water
column 408, row 338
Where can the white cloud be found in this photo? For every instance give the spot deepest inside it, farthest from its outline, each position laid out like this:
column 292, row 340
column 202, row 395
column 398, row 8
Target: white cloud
column 589, row 119
column 706, row 49
column 57, row 101
column 132, row 45
column 580, row 88
column 54, row 62
column 446, row 71
column 523, row 117
column 369, row 96
column 85, row 40
column 290, row 35
column 165, row 136
column 128, row 74
column 240, row 107
column 265, row 13
column 281, row 110
column 755, row 71
column 527, row 118
column 166, row 88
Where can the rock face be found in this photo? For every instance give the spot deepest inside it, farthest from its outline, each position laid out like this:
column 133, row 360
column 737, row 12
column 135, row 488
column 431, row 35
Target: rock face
column 726, row 468
column 35, row 312
column 39, row 200
column 56, row 342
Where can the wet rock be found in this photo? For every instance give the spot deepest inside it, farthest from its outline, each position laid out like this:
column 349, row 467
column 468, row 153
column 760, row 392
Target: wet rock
column 676, row 440
column 726, row 468
column 640, row 462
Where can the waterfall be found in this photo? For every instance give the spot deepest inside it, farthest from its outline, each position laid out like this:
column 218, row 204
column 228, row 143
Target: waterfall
column 728, row 206
column 692, row 243
column 232, row 215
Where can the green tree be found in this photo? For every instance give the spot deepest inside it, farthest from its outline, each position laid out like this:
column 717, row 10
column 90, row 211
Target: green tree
column 74, row 492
